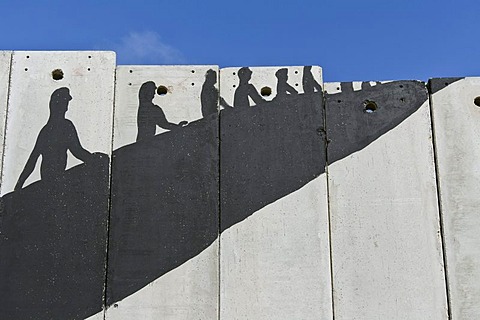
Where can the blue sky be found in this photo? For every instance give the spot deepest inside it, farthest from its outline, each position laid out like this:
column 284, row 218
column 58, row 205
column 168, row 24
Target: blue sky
column 351, row 40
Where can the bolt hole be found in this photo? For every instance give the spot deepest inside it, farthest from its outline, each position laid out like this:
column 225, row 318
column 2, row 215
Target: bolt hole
column 89, row 57
column 88, row 69
column 28, row 57
column 193, row 84
column 234, row 73
column 131, row 71
column 26, row 69
column 338, row 88
column 296, row 71
column 193, row 71
column 296, row 84
column 370, row 106
column 129, row 83
column 162, row 90
column 234, row 86
column 339, row 101
column 266, row 91
column 57, row 74
column 477, row 101
column 401, row 86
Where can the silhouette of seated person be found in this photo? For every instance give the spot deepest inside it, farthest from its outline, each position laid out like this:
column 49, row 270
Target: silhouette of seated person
column 283, row 88
column 308, row 81
column 56, row 137
column 246, row 90
column 209, row 96
column 149, row 115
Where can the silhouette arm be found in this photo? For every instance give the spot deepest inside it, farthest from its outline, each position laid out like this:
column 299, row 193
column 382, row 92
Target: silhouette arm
column 75, row 146
column 161, row 120
column 291, row 89
column 224, row 103
column 253, row 93
column 316, row 85
column 29, row 166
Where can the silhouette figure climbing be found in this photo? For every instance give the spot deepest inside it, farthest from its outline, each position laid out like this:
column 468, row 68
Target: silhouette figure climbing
column 56, row 137
column 149, row 115
column 308, row 81
column 283, row 88
column 246, row 90
column 209, row 96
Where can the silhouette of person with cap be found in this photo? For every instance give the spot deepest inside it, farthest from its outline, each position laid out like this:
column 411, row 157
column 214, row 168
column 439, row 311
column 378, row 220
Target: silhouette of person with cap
column 149, row 115
column 308, row 81
column 283, row 88
column 246, row 90
column 209, row 96
column 56, row 137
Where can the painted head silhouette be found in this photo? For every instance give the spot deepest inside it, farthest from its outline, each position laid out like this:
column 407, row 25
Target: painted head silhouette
column 147, row 91
column 59, row 101
column 244, row 74
column 211, row 77
column 282, row 73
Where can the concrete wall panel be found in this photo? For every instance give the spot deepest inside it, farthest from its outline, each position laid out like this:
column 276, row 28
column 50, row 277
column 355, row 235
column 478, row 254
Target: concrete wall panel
column 55, row 185
column 386, row 247
column 163, row 256
column 456, row 119
column 274, row 249
column 5, row 61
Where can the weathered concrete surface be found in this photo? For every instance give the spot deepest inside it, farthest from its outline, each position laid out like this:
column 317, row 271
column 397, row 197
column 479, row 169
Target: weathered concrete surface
column 53, row 231
column 456, row 120
column 274, row 249
column 5, row 61
column 163, row 257
column 386, row 246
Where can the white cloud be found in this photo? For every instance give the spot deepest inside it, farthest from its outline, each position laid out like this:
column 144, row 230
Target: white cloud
column 146, row 48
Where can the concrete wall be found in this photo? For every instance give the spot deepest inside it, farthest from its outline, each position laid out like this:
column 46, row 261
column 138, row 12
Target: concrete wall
column 193, row 192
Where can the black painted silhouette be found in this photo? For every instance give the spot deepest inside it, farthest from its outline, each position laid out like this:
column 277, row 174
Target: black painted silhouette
column 310, row 85
column 56, row 137
column 246, row 90
column 283, row 88
column 149, row 115
column 164, row 205
column 209, row 96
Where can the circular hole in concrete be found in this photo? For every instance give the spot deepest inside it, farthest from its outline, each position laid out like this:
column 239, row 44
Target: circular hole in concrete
column 266, row 91
column 370, row 106
column 57, row 74
column 162, row 90
column 477, row 101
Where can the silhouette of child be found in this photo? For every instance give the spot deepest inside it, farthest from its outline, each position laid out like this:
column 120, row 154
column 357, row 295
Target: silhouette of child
column 246, row 90
column 308, row 81
column 56, row 137
column 283, row 88
column 149, row 115
column 209, row 95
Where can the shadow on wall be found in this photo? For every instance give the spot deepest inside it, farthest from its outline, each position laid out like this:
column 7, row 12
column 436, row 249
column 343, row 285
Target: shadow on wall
column 165, row 196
